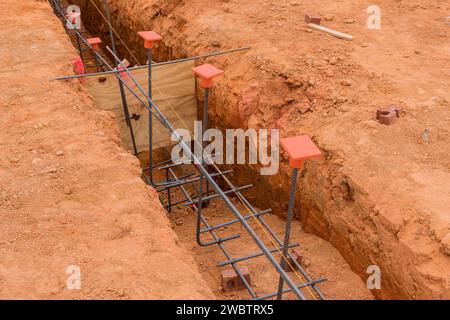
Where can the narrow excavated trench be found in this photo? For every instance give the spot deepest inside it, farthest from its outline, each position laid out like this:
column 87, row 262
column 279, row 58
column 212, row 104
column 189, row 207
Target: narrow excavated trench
column 334, row 206
column 320, row 259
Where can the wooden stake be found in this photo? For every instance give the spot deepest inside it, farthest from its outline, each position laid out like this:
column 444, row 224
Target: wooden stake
column 335, row 33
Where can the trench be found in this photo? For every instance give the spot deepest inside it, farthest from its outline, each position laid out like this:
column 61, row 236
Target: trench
column 320, row 257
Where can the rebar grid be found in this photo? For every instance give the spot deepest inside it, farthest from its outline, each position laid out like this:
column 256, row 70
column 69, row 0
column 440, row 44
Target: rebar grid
column 174, row 181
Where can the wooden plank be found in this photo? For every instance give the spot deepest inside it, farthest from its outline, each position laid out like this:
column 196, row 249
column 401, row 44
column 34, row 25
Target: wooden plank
column 174, row 84
column 169, row 81
column 335, row 33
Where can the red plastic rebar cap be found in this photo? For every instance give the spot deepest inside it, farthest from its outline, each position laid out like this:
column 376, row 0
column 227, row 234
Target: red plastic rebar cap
column 94, row 42
column 207, row 72
column 149, row 37
column 299, row 149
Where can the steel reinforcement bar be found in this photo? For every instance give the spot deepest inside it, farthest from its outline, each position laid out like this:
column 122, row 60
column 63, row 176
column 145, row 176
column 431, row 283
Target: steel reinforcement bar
column 174, row 181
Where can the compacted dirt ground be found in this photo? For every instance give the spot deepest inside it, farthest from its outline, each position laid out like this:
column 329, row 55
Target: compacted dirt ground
column 69, row 195
column 380, row 193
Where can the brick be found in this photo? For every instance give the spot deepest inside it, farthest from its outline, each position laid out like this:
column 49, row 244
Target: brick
column 296, row 254
column 311, row 18
column 387, row 116
column 398, row 111
column 231, row 280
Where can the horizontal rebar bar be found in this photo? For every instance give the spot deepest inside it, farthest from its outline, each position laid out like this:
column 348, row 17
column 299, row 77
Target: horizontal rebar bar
column 311, row 283
column 229, row 223
column 179, row 183
column 176, row 164
column 221, row 245
column 279, row 243
column 216, row 195
column 158, row 64
column 168, row 182
column 173, row 165
column 203, row 170
column 255, row 255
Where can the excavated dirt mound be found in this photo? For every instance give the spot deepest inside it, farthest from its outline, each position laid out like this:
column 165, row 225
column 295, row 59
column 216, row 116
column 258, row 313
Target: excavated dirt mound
column 69, row 195
column 380, row 193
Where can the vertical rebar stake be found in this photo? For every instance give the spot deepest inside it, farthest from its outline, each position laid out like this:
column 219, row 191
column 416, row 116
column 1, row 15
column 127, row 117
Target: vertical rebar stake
column 150, row 119
column 206, row 73
column 126, row 110
column 79, row 47
column 287, row 232
column 205, row 128
column 149, row 38
column 169, row 195
column 111, row 36
column 299, row 149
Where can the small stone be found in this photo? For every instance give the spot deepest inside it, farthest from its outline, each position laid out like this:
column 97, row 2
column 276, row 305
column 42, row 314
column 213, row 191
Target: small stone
column 344, row 108
column 426, row 135
column 50, row 170
column 35, row 161
column 346, row 83
column 371, row 123
column 59, row 153
column 329, row 73
column 349, row 21
column 445, row 245
column 406, row 56
column 67, row 190
column 342, row 99
column 417, row 52
column 15, row 160
column 179, row 222
column 364, row 45
column 311, row 82
column 305, row 262
column 215, row 43
column 333, row 60
column 3, row 195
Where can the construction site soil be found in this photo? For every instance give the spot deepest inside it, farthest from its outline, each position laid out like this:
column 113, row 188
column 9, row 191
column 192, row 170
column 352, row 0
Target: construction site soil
column 379, row 195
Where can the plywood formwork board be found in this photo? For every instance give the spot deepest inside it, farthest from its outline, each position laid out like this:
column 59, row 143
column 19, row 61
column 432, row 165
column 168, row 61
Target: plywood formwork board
column 173, row 87
column 169, row 81
column 185, row 107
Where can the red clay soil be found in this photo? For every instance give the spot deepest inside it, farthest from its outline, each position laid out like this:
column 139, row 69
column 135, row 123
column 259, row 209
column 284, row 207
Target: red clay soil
column 380, row 194
column 69, row 195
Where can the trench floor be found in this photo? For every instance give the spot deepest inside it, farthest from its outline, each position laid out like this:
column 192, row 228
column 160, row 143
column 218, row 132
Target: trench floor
column 320, row 258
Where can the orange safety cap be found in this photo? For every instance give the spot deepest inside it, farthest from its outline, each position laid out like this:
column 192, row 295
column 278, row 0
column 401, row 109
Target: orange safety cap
column 149, row 37
column 94, row 42
column 299, row 148
column 207, row 72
